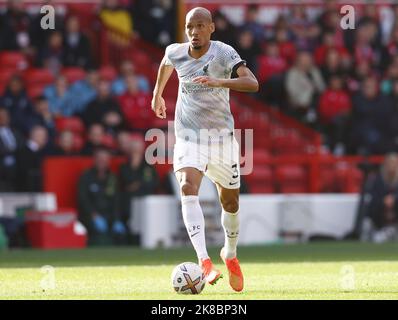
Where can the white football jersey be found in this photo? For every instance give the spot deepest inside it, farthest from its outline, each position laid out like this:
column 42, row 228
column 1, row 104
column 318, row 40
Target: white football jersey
column 198, row 106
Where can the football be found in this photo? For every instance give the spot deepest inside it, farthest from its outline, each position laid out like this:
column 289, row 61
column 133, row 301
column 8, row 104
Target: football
column 188, row 278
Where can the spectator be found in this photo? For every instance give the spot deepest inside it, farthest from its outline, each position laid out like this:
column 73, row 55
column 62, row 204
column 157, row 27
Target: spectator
column 14, row 28
column 361, row 71
column 333, row 65
column 328, row 45
column 59, row 98
column 332, row 26
column 52, row 54
column 77, row 46
column 334, row 111
column 395, row 119
column 270, row 73
column 134, row 106
column 390, row 75
column 104, row 109
column 248, row 48
column 127, row 68
column 95, row 138
column 115, row 17
column 271, row 63
column 381, row 222
column 287, row 49
column 84, row 91
column 155, row 20
column 124, row 142
column 225, row 31
column 137, row 178
column 38, row 35
column 98, row 201
column 29, row 161
column 305, row 32
column 373, row 113
column 16, row 101
column 65, row 145
column 252, row 24
column 304, row 83
column 391, row 50
column 41, row 116
column 10, row 143
column 364, row 49
column 325, row 19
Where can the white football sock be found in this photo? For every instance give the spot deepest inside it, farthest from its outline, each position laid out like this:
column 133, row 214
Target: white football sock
column 195, row 223
column 230, row 223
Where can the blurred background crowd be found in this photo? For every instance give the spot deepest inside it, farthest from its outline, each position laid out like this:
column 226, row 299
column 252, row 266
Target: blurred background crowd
column 62, row 95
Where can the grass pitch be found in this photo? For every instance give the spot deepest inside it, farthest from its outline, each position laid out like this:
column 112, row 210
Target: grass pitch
column 306, row 271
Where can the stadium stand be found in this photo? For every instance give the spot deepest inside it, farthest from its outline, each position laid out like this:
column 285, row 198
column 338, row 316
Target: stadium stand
column 294, row 152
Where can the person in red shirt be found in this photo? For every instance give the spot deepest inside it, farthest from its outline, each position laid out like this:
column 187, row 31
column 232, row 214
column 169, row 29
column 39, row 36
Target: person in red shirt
column 270, row 72
column 287, row 49
column 334, row 109
column 271, row 63
column 134, row 106
column 328, row 43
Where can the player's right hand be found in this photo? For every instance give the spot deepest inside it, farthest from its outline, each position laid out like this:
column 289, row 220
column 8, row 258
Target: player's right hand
column 159, row 107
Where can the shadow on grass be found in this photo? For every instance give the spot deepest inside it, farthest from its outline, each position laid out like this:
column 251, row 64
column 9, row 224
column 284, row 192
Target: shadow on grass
column 113, row 256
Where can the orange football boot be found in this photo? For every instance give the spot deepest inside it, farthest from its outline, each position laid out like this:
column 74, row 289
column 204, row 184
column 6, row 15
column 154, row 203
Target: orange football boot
column 211, row 273
column 235, row 273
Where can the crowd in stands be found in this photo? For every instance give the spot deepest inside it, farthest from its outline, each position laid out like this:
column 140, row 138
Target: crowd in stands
column 107, row 102
column 343, row 83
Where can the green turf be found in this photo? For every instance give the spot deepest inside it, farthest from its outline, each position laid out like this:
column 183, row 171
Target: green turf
column 310, row 271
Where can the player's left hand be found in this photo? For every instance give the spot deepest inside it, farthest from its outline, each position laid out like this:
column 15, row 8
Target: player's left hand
column 208, row 81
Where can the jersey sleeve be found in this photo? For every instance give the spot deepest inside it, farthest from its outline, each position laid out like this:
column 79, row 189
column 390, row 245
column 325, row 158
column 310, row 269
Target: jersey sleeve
column 168, row 59
column 232, row 60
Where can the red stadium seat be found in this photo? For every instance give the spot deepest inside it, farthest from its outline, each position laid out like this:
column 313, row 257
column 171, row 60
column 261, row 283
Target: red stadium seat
column 261, row 157
column 38, row 76
column 141, row 61
column 73, row 124
column 288, row 143
column 327, row 179
column 291, row 179
column 107, row 73
column 261, row 180
column 74, row 74
column 349, row 178
column 13, row 60
column 5, row 75
column 35, row 90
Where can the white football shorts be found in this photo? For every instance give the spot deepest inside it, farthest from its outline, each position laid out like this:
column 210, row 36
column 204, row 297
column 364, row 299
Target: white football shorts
column 218, row 161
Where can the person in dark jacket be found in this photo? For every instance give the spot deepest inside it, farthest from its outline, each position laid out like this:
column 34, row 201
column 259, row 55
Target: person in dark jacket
column 104, row 109
column 98, row 200
column 16, row 101
column 381, row 223
column 41, row 116
column 77, row 46
column 137, row 177
column 95, row 138
column 372, row 120
column 29, row 161
column 14, row 27
column 66, row 144
column 10, row 143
